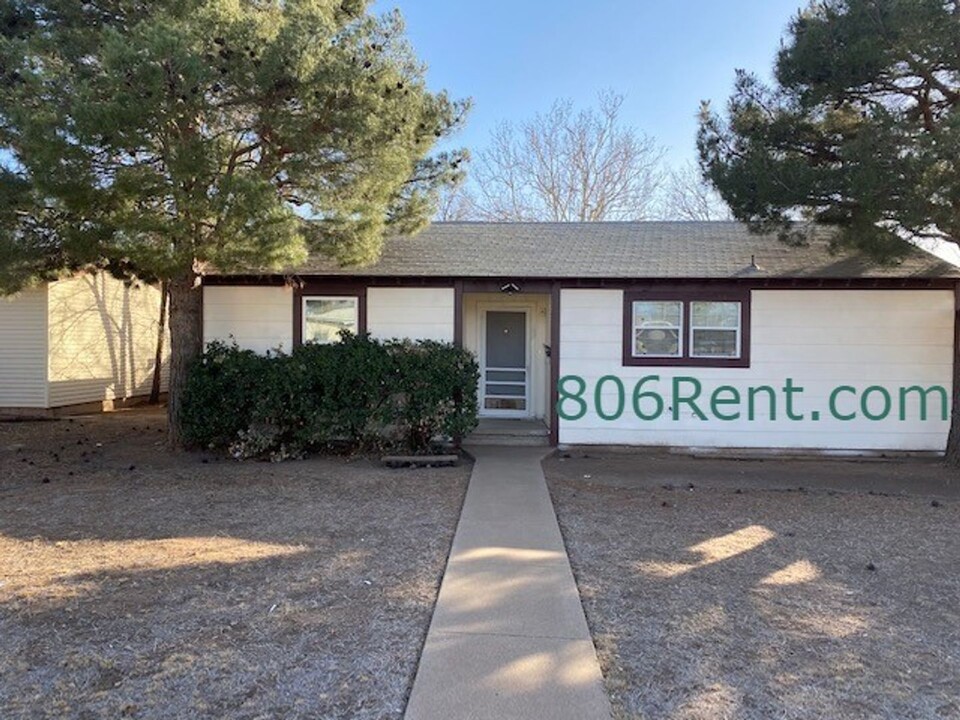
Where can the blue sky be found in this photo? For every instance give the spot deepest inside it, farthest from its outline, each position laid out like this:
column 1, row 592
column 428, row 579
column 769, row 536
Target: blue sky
column 516, row 57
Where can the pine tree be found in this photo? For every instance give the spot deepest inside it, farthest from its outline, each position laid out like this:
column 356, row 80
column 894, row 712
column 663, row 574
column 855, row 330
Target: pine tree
column 162, row 139
column 861, row 132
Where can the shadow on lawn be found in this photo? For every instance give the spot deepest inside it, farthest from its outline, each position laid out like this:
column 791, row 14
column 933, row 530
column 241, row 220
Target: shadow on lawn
column 153, row 584
column 759, row 604
column 298, row 635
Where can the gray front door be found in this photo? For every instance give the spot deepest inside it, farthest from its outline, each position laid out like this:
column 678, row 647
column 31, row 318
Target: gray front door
column 504, row 386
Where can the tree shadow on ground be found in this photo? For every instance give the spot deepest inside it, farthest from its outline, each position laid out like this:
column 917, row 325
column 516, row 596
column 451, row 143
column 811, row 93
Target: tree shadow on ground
column 726, row 602
column 154, row 584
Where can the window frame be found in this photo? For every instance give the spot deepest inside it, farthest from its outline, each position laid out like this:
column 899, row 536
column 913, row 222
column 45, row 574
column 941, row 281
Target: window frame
column 737, row 331
column 686, row 297
column 681, row 339
column 303, row 314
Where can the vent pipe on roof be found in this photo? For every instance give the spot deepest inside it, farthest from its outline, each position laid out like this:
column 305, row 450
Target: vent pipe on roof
column 753, row 268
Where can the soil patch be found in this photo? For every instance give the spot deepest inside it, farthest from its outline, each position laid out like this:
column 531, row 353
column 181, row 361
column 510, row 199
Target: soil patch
column 135, row 582
column 722, row 589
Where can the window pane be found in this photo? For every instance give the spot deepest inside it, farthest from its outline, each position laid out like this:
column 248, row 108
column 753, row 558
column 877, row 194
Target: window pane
column 505, row 404
column 657, row 313
column 657, row 328
column 715, row 343
column 657, row 342
column 715, row 314
column 506, row 376
column 324, row 318
column 510, row 390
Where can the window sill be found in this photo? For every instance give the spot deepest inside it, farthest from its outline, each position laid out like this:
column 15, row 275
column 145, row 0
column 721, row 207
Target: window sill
column 631, row 361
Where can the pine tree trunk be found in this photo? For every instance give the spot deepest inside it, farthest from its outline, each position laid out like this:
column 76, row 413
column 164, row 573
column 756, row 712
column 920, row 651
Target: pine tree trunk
column 186, row 343
column 158, row 356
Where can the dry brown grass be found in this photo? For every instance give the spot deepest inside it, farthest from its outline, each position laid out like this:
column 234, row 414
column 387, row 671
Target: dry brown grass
column 751, row 600
column 137, row 583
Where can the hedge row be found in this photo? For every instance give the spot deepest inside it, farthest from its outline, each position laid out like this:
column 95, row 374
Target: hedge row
column 358, row 394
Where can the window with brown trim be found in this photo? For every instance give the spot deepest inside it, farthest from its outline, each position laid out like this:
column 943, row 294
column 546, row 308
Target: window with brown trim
column 699, row 328
column 325, row 317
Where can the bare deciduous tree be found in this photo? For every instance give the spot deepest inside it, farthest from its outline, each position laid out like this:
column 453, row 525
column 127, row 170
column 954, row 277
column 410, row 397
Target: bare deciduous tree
column 687, row 196
column 568, row 166
column 455, row 204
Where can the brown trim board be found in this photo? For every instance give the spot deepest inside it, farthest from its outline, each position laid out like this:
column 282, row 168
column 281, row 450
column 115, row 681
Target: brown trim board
column 458, row 313
column 544, row 284
column 955, row 373
column 553, row 395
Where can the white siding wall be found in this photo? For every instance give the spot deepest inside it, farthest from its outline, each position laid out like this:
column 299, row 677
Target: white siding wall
column 23, row 349
column 257, row 318
column 102, row 340
column 414, row 313
column 820, row 338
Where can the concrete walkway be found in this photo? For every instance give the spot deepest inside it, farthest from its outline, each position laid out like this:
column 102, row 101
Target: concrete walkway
column 508, row 637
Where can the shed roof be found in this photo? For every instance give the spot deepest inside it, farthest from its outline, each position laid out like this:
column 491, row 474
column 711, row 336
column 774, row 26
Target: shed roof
column 708, row 250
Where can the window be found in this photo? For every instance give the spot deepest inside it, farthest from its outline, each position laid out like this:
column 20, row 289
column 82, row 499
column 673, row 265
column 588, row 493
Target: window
column 658, row 328
column 714, row 329
column 325, row 317
column 693, row 328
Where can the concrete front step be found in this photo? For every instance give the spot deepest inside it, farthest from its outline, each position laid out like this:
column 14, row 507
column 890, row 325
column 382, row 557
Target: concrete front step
column 517, row 433
column 509, row 440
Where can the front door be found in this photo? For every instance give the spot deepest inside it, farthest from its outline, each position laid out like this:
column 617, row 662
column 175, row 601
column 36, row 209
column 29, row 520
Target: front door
column 505, row 375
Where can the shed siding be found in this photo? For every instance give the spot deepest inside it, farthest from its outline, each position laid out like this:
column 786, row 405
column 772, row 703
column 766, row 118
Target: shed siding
column 257, row 318
column 414, row 313
column 102, row 340
column 821, row 339
column 23, row 349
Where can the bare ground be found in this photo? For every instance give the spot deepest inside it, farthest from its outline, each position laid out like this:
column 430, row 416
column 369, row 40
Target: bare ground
column 746, row 597
column 139, row 583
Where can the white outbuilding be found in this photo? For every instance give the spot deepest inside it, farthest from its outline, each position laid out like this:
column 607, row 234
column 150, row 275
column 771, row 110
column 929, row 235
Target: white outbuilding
column 83, row 343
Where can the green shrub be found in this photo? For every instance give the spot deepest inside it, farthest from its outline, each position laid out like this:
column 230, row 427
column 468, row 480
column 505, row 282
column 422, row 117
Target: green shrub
column 437, row 391
column 221, row 391
column 358, row 394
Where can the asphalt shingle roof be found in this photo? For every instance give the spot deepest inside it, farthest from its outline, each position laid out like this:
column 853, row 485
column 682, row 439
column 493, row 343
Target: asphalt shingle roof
column 620, row 250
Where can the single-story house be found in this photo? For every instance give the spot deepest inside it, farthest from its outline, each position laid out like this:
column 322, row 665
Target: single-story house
column 84, row 343
column 652, row 333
